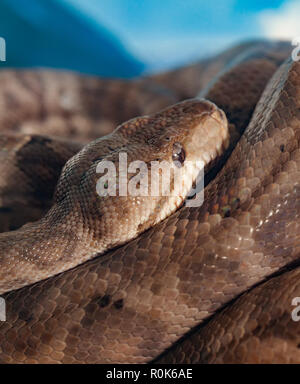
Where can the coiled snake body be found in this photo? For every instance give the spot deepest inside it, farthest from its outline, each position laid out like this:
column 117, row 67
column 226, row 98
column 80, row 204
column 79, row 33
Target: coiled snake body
column 134, row 302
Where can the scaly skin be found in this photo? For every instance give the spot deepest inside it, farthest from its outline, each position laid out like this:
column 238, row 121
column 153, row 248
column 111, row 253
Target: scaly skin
column 187, row 81
column 70, row 105
column 136, row 301
column 29, row 170
column 81, row 224
column 257, row 329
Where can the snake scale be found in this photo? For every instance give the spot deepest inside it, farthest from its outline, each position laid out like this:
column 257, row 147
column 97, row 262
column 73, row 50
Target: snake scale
column 208, row 284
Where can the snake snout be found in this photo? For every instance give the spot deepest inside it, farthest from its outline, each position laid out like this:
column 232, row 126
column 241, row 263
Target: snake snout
column 219, row 116
column 206, row 107
column 195, row 107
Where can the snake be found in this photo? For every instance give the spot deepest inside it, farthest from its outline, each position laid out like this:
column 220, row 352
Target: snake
column 207, row 284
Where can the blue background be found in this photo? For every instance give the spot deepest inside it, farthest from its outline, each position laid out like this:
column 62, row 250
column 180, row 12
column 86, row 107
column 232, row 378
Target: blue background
column 124, row 38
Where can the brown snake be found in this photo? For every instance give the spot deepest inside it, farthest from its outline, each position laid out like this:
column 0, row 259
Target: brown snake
column 134, row 302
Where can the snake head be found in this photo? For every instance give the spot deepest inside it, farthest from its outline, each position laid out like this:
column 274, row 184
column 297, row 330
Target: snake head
column 128, row 181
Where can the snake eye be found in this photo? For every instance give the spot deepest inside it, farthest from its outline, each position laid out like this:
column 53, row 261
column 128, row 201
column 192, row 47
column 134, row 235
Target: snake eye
column 178, row 155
